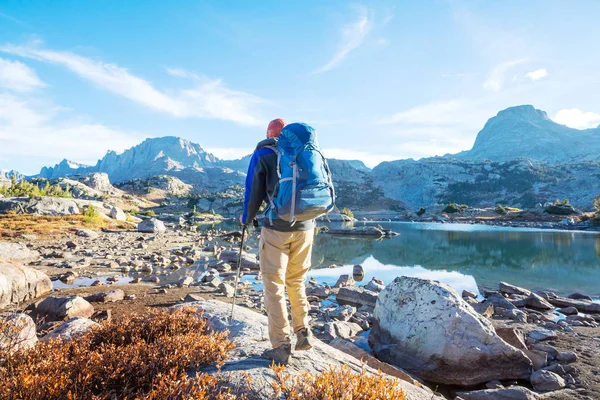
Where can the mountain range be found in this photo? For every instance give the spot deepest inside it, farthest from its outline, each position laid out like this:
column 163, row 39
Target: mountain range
column 520, row 157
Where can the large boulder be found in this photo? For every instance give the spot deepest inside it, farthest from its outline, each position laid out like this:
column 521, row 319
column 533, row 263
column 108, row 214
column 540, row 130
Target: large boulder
column 248, row 331
column 70, row 328
column 59, row 308
column 426, row 328
column 152, row 225
column 19, row 283
column 17, row 332
column 248, row 260
column 118, row 214
column 17, row 252
column 49, row 206
column 100, row 182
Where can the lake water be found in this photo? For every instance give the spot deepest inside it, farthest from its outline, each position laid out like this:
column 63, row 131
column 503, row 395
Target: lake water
column 471, row 257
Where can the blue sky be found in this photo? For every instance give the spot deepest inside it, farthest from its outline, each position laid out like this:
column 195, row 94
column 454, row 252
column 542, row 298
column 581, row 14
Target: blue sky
column 380, row 80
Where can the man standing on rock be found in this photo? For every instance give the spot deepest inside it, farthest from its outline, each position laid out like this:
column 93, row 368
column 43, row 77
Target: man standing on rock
column 285, row 243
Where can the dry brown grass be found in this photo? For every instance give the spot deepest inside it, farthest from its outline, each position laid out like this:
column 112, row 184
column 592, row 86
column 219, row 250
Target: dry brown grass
column 336, row 384
column 136, row 357
column 15, row 225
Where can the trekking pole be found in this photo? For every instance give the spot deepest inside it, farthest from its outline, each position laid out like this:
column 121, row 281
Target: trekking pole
column 237, row 275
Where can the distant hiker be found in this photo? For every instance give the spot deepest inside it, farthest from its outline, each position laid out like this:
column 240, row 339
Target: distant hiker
column 289, row 173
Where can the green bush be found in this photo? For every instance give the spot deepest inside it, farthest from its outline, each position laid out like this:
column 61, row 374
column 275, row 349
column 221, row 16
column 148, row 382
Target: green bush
column 91, row 215
column 149, row 213
column 29, row 189
column 500, row 209
column 421, row 211
column 452, row 208
column 347, row 212
column 597, row 203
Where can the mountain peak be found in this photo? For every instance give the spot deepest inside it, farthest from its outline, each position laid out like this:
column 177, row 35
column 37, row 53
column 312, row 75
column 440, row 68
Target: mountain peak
column 524, row 112
column 526, row 132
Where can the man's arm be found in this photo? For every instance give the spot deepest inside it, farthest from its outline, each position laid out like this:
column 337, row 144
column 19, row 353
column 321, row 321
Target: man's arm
column 255, row 186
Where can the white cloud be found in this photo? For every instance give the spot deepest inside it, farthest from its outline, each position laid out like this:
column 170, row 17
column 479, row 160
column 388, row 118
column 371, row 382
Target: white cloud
column 578, row 119
column 497, row 76
column 353, row 36
column 31, row 129
column 18, row 77
column 205, row 99
column 537, row 74
column 450, row 112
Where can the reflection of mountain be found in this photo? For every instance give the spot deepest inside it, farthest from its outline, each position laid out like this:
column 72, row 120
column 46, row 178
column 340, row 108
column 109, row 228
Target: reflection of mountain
column 562, row 261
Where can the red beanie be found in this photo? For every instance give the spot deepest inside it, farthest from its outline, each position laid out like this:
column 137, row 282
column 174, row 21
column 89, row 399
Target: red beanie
column 275, row 127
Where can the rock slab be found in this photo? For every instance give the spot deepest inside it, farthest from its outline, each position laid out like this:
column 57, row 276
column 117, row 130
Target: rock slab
column 58, row 308
column 426, row 328
column 248, row 331
column 70, row 328
column 19, row 283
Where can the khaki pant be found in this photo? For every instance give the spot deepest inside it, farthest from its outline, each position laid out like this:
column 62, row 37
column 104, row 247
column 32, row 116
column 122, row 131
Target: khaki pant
column 284, row 262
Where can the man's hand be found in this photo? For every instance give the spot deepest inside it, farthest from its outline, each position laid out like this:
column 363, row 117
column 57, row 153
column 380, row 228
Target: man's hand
column 241, row 221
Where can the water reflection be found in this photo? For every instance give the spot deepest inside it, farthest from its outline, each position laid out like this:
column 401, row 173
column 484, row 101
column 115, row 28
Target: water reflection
column 387, row 273
column 556, row 260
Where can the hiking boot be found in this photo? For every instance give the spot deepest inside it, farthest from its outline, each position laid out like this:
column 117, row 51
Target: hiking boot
column 304, row 341
column 280, row 355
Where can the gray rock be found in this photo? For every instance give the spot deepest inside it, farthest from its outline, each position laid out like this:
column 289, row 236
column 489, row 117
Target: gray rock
column 340, row 329
column 19, row 283
column 486, row 309
column 343, row 281
column 318, row 291
column 248, row 331
column 186, row 281
column 356, row 296
column 68, row 329
column 581, row 305
column 51, row 206
column 580, row 296
column 511, row 289
column 107, row 297
column 566, row 357
column 248, row 260
column 514, row 314
column 539, row 335
column 546, row 381
column 152, row 225
column 468, row 294
column 539, row 303
column 88, row 233
column 426, row 328
column 499, row 301
column 375, row 285
column 17, row 332
column 342, row 313
column 118, row 214
column 58, row 308
column 568, row 311
column 511, row 393
column 227, row 289
column 17, row 252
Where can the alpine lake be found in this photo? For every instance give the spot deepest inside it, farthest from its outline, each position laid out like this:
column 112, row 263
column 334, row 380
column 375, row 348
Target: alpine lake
column 465, row 256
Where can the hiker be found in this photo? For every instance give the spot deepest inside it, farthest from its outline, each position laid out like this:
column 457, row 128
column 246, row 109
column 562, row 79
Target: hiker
column 288, row 161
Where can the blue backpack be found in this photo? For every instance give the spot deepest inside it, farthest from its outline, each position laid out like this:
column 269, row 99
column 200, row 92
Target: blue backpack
column 305, row 189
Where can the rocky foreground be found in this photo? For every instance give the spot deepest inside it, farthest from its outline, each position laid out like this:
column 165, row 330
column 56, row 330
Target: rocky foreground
column 512, row 344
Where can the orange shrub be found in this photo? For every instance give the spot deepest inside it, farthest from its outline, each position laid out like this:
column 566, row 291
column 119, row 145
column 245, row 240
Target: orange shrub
column 135, row 357
column 335, row 384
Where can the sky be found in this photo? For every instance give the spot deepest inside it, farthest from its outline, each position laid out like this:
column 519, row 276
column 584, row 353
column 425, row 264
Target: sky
column 378, row 80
